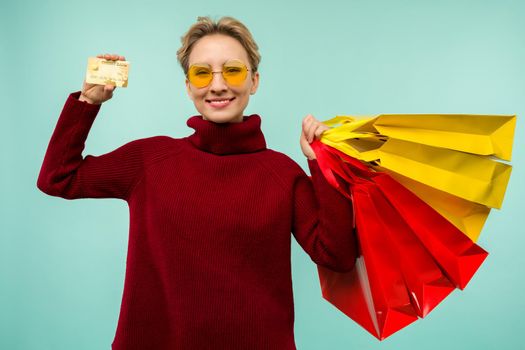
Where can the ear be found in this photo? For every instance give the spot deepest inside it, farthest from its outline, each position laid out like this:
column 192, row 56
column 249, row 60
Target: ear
column 255, row 83
column 188, row 89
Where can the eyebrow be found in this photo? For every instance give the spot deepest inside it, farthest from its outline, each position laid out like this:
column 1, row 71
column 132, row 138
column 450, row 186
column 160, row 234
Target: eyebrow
column 207, row 64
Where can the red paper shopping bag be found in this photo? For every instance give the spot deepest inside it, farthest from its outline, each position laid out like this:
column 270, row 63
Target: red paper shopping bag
column 395, row 278
column 426, row 283
column 401, row 239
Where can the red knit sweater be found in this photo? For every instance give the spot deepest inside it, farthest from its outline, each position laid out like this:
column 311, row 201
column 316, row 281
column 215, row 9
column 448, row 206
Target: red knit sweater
column 208, row 261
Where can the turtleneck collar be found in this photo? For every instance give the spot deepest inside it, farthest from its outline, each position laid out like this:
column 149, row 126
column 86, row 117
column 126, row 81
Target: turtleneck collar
column 227, row 138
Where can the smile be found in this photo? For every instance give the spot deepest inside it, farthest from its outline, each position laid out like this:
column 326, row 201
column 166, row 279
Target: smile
column 219, row 103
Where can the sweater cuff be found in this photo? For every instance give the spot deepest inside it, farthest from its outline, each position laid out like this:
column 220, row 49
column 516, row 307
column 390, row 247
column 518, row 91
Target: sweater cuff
column 314, row 167
column 312, row 162
column 73, row 98
column 318, row 177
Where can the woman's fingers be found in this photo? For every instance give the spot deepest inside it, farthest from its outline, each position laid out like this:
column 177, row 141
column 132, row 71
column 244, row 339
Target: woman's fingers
column 309, row 127
column 305, row 146
column 313, row 128
column 320, row 129
column 114, row 57
column 310, row 130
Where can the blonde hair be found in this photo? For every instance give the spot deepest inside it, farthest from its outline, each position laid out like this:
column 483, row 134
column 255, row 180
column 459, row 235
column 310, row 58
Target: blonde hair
column 225, row 25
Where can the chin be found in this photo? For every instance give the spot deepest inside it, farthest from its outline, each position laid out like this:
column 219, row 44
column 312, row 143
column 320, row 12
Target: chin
column 219, row 117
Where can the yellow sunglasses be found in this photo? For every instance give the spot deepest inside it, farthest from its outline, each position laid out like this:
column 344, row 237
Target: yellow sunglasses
column 234, row 72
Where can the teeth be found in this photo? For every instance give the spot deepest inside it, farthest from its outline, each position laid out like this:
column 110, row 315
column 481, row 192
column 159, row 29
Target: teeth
column 220, row 101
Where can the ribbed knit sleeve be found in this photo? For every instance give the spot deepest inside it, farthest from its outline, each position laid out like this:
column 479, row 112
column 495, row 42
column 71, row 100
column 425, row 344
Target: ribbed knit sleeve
column 65, row 173
column 323, row 221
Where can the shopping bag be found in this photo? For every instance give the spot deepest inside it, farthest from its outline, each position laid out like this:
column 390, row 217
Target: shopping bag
column 467, row 216
column 395, row 279
column 457, row 254
column 476, row 134
column 469, row 176
column 374, row 294
column 456, row 154
column 470, row 133
column 395, row 246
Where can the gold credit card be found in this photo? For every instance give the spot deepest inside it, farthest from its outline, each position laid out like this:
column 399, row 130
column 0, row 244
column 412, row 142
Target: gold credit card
column 101, row 71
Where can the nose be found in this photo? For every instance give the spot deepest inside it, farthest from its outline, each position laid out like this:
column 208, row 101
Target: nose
column 218, row 83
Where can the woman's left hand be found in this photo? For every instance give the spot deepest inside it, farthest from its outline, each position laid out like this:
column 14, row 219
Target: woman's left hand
column 311, row 128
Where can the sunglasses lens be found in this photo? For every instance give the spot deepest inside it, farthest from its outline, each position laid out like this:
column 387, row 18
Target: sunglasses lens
column 234, row 72
column 200, row 76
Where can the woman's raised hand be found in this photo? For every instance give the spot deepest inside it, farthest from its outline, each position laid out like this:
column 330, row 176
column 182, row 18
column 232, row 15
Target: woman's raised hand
column 97, row 94
column 311, row 128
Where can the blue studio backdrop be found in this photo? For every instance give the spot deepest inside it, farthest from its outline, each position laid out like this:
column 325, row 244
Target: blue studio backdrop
column 62, row 261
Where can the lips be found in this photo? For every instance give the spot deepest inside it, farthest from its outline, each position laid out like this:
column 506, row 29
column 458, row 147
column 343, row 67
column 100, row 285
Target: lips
column 220, row 103
column 220, row 99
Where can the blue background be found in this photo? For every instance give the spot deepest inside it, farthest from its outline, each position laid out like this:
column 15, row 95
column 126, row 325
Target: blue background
column 62, row 262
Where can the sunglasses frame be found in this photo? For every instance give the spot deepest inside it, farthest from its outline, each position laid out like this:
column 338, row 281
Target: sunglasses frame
column 212, row 72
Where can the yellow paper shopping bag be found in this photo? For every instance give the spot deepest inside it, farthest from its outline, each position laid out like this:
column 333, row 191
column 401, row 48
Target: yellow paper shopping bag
column 450, row 161
column 468, row 176
column 477, row 134
column 354, row 136
column 467, row 216
column 447, row 152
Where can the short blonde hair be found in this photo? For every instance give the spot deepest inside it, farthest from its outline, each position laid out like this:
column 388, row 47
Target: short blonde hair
column 225, row 25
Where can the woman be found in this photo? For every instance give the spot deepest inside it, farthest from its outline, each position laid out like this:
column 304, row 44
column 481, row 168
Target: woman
column 208, row 263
